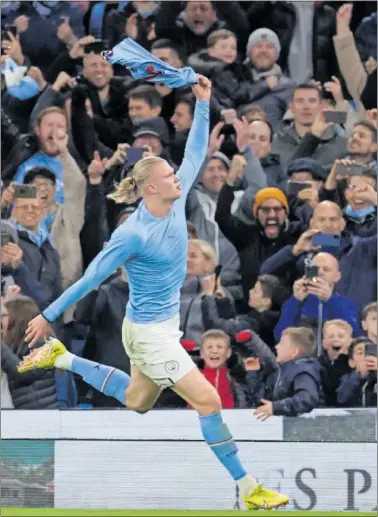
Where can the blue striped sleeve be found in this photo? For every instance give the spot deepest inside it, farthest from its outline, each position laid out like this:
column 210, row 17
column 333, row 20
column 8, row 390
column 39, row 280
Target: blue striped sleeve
column 123, row 245
column 196, row 146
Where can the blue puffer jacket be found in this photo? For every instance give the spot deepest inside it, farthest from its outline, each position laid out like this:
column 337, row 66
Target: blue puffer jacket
column 366, row 37
column 293, row 387
column 295, row 313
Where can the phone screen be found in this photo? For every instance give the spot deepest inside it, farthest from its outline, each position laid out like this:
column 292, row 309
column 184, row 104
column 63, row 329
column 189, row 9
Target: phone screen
column 293, row 187
column 335, row 117
column 371, row 349
column 355, row 169
column 134, row 154
column 25, row 191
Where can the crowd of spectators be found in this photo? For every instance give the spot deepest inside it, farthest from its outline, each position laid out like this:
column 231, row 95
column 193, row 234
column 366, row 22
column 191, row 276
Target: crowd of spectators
column 278, row 308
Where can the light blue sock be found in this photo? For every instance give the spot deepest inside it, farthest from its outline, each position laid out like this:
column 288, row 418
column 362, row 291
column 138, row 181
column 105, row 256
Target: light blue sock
column 108, row 380
column 220, row 441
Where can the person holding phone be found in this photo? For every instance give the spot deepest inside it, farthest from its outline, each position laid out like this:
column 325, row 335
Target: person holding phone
column 315, row 300
column 359, row 387
column 354, row 187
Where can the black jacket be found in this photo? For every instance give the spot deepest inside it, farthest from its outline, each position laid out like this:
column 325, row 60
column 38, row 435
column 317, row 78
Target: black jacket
column 249, row 240
column 331, row 373
column 31, row 390
column 44, row 263
column 103, row 311
column 294, row 387
column 261, row 323
column 281, row 18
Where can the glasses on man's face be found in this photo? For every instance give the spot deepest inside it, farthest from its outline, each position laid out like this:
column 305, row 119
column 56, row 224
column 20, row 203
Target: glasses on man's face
column 276, row 209
column 29, row 208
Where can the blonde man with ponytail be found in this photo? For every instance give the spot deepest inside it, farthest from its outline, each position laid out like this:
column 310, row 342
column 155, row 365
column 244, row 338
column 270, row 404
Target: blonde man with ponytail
column 152, row 247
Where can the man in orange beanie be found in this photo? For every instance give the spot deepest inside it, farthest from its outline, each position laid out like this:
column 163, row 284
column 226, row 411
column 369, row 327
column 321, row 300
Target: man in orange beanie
column 270, row 231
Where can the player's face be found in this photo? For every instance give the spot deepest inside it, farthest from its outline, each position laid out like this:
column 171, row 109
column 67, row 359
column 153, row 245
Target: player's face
column 215, row 351
column 164, row 182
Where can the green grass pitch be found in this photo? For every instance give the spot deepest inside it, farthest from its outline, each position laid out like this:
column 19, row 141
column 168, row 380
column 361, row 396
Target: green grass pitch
column 47, row 512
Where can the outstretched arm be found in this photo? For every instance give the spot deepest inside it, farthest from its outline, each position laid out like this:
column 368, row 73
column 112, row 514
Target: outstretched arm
column 198, row 139
column 123, row 245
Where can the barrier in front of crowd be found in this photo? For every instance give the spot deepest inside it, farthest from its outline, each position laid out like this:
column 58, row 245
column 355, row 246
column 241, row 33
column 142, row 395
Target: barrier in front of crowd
column 326, row 460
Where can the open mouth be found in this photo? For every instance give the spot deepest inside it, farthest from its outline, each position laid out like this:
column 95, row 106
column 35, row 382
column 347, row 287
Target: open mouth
column 271, row 227
column 336, row 347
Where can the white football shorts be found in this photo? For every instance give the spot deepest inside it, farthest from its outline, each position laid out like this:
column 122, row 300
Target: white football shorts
column 155, row 349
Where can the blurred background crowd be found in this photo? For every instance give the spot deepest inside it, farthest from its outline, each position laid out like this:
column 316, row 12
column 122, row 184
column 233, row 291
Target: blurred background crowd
column 279, row 305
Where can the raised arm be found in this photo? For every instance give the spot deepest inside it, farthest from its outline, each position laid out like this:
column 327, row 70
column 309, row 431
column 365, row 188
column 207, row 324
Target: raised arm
column 198, row 139
column 124, row 244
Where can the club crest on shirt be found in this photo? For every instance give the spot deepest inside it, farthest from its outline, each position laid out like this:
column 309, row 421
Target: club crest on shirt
column 171, row 367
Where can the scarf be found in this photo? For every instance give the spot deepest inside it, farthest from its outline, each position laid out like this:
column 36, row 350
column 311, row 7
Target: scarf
column 38, row 237
column 257, row 75
column 359, row 215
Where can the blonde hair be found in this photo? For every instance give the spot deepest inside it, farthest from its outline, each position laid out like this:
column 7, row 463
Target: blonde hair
column 206, row 249
column 303, row 337
column 339, row 323
column 128, row 190
column 216, row 333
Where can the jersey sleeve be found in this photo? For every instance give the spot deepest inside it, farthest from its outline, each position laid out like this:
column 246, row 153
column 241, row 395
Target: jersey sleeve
column 196, row 146
column 123, row 245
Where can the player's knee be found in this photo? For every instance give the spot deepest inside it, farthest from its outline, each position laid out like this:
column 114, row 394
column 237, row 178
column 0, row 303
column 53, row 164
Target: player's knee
column 137, row 405
column 210, row 402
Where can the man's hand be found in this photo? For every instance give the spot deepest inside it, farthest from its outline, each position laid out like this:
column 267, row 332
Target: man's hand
column 12, row 48
column 372, row 115
column 131, row 27
column 36, row 73
column 242, row 134
column 62, row 81
column 335, row 88
column 77, row 51
column 11, row 254
column 300, row 289
column 366, row 193
column 11, row 292
column 343, row 19
column 65, row 33
column 310, row 196
column 252, row 364
column 38, row 329
column 96, row 169
column 229, row 116
column 60, row 138
column 215, row 140
column 7, row 196
column 219, row 289
column 304, row 243
column 371, row 363
column 265, row 411
column 202, row 90
column 119, row 157
column 370, row 65
column 319, row 125
column 272, row 81
column 320, row 289
column 22, row 23
column 236, row 170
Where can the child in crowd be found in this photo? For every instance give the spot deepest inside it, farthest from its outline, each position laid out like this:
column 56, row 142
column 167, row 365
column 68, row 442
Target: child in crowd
column 221, row 368
column 289, row 384
column 221, row 51
column 359, row 387
column 369, row 321
column 265, row 302
column 337, row 337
